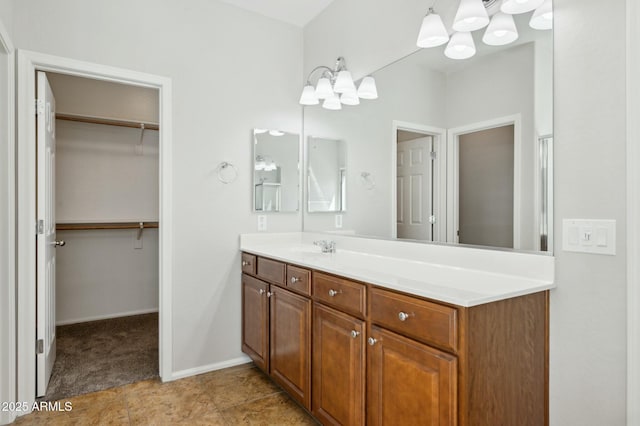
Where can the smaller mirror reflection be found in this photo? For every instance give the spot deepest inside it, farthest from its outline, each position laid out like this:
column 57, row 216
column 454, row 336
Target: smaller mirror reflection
column 326, row 175
column 275, row 171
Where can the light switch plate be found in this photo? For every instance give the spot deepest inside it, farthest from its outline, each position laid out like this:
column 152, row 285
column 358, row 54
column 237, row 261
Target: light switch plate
column 262, row 223
column 338, row 221
column 589, row 236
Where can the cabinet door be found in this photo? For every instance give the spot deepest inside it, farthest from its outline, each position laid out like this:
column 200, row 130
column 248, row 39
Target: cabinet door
column 291, row 343
column 409, row 382
column 338, row 367
column 255, row 320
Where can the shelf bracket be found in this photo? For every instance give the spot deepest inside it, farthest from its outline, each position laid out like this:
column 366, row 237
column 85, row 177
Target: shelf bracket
column 140, row 229
column 139, row 145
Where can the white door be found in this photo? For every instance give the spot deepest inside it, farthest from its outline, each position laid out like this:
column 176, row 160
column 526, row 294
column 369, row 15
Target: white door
column 46, row 240
column 414, row 189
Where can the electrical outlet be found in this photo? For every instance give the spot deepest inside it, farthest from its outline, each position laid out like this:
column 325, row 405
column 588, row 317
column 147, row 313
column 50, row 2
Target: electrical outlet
column 589, row 236
column 262, row 223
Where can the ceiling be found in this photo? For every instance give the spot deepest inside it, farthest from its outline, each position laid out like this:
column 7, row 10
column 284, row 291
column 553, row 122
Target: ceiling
column 296, row 12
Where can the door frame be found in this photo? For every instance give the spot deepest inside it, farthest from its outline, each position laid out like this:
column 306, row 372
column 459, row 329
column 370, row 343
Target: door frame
column 453, row 166
column 8, row 220
column 633, row 213
column 439, row 176
column 28, row 63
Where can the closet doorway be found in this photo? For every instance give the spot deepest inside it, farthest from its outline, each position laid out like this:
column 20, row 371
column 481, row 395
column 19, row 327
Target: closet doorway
column 28, row 65
column 98, row 168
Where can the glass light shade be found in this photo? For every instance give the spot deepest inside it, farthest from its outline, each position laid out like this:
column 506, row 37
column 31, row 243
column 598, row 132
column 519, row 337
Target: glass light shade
column 276, row 133
column 461, row 46
column 368, row 89
column 332, row 103
column 501, row 30
column 513, row 7
column 260, row 131
column 308, row 96
column 542, row 18
column 432, row 32
column 324, row 89
column 350, row 98
column 471, row 16
column 344, row 82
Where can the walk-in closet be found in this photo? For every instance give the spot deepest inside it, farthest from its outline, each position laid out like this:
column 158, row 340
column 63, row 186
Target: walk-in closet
column 106, row 173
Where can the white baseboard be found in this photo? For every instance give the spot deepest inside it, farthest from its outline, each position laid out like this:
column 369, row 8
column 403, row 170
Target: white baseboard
column 108, row 316
column 208, row 368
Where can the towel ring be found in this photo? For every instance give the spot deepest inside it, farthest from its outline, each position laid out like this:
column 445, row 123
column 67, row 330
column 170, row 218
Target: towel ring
column 227, row 172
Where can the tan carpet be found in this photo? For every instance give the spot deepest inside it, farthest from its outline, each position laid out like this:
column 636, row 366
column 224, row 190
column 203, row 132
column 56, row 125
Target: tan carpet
column 98, row 355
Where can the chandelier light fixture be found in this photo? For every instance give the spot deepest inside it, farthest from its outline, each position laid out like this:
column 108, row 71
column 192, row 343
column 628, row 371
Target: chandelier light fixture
column 335, row 87
column 472, row 16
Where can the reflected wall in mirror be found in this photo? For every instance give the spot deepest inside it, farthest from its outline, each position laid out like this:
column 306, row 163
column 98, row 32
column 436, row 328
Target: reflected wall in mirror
column 441, row 125
column 275, row 171
column 326, row 175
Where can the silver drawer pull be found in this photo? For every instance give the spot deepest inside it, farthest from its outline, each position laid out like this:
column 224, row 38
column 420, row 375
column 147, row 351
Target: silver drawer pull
column 333, row 292
column 269, row 294
column 354, row 333
column 245, row 263
column 371, row 341
column 294, row 280
column 261, row 291
column 403, row 316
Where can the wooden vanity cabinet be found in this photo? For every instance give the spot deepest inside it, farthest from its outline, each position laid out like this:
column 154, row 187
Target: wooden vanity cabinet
column 255, row 320
column 408, row 382
column 338, row 367
column 290, row 334
column 276, row 324
column 355, row 354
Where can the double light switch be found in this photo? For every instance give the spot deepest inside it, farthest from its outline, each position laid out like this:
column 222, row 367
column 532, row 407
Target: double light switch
column 589, row 236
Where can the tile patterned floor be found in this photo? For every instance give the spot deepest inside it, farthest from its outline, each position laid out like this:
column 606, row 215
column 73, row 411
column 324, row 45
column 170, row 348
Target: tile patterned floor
column 241, row 395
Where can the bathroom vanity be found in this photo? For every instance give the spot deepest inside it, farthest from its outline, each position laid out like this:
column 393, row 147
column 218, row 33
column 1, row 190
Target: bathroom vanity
column 362, row 337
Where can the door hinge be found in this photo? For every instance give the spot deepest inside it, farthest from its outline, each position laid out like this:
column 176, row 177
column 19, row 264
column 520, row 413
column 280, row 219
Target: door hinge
column 432, row 219
column 40, row 346
column 40, row 227
column 39, row 106
column 433, row 155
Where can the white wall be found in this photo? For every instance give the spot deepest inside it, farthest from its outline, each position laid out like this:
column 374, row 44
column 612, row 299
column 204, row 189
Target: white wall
column 7, row 225
column 588, row 309
column 100, row 178
column 210, row 50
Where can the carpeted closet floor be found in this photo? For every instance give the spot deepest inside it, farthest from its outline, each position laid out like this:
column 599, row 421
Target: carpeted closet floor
column 98, row 355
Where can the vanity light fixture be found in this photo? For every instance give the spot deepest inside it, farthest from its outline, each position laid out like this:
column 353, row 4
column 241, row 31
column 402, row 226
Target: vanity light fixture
column 472, row 15
column 335, row 87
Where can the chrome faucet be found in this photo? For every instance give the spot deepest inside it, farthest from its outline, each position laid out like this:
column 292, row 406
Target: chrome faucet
column 327, row 246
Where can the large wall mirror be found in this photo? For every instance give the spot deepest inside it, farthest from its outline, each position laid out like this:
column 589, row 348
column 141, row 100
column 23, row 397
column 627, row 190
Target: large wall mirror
column 460, row 150
column 275, row 171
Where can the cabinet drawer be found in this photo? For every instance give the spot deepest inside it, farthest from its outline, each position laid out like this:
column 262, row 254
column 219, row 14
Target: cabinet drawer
column 248, row 263
column 299, row 279
column 425, row 321
column 343, row 294
column 271, row 270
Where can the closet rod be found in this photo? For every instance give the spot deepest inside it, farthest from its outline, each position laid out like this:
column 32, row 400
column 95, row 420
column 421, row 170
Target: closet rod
column 97, row 225
column 107, row 121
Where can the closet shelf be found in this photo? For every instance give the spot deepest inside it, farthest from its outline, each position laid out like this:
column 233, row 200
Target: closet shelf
column 105, row 225
column 108, row 121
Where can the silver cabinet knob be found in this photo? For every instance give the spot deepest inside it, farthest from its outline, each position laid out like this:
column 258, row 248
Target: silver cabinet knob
column 245, row 263
column 403, row 316
column 354, row 333
column 269, row 294
column 333, row 292
column 60, row 243
column 294, row 280
column 261, row 291
column 371, row 341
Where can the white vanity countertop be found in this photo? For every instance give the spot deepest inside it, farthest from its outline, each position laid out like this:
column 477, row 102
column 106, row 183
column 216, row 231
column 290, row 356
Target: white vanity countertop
column 459, row 275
